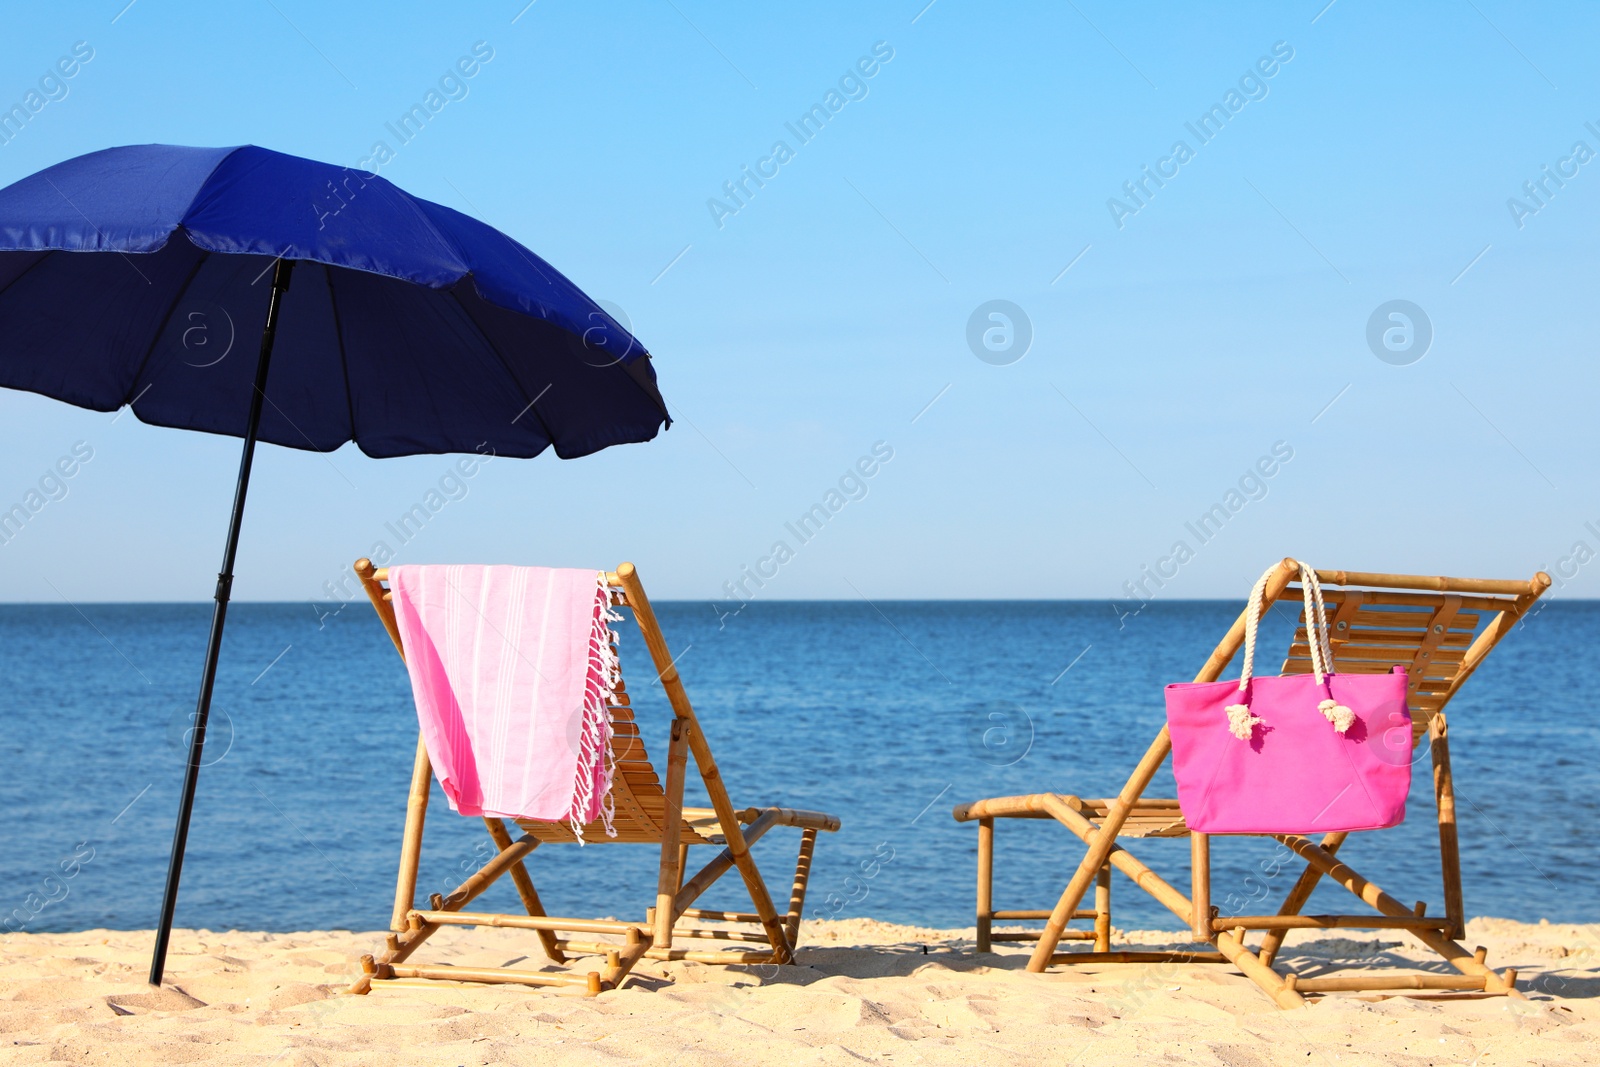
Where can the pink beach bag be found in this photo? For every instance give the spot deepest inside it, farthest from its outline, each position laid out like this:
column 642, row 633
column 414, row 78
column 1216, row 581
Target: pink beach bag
column 1302, row 753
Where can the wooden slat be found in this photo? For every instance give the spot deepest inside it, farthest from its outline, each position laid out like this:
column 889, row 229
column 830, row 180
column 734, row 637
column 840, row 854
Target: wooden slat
column 1301, row 665
column 1378, row 618
column 1380, row 596
column 1386, row 653
column 1405, row 638
column 595, row 834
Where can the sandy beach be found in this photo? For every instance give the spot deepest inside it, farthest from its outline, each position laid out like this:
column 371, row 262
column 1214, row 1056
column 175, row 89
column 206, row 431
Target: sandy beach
column 863, row 991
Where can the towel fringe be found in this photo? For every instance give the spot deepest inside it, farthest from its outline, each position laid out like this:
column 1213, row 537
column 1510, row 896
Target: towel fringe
column 597, row 761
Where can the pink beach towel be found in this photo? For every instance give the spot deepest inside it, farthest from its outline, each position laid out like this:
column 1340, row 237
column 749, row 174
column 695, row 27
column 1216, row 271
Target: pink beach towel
column 512, row 668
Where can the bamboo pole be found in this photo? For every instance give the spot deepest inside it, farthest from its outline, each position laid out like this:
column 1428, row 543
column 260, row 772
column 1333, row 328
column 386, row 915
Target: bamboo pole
column 1031, row 806
column 1105, row 839
column 1328, row 922
column 1034, row 935
column 454, row 917
column 1299, row 894
column 1138, row 957
column 1498, row 627
column 619, row 964
column 1230, row 945
column 726, row 959
column 1444, row 795
column 1502, row 587
column 703, row 933
column 485, row 974
column 797, row 890
column 486, row 875
column 719, row 865
column 805, row 820
column 1378, row 982
column 1124, row 861
column 371, row 581
column 726, row 815
column 421, row 770
column 416, row 931
column 985, row 882
column 715, row 915
column 1453, row 953
column 405, row 890
column 1200, row 886
column 1102, row 910
column 670, row 875
column 525, row 890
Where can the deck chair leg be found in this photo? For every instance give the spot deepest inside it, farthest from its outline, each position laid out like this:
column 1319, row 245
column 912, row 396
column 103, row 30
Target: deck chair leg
column 797, row 894
column 728, row 818
column 683, row 866
column 525, row 890
column 1200, row 886
column 620, row 962
column 670, row 873
column 1444, row 794
column 1276, row 987
column 719, row 865
column 1100, row 844
column 985, row 883
column 739, row 848
column 1299, row 894
column 405, row 890
column 1102, row 910
column 1103, row 841
column 1458, row 957
column 401, row 944
column 1130, row 865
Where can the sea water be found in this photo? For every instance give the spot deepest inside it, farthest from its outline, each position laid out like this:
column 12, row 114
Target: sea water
column 886, row 714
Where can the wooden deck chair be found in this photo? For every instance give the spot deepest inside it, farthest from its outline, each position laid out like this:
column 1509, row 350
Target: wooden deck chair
column 1440, row 629
column 646, row 813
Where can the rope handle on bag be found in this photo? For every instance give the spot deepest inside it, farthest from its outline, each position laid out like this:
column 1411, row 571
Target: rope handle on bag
column 1241, row 723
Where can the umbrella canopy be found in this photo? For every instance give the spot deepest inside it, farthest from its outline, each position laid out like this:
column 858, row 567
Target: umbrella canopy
column 409, row 328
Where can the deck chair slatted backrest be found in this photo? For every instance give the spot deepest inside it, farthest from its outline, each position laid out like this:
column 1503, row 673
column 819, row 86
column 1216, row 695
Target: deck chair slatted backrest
column 648, row 811
column 1379, row 620
column 1440, row 629
column 637, row 793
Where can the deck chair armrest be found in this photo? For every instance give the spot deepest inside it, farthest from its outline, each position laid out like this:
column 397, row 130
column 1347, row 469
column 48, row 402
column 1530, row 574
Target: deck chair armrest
column 1031, row 806
column 806, row 820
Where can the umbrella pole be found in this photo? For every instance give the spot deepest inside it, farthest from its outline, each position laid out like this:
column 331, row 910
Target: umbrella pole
column 219, row 615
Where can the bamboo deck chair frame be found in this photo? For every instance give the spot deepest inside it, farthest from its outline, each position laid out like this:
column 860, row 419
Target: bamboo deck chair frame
column 646, row 813
column 1429, row 624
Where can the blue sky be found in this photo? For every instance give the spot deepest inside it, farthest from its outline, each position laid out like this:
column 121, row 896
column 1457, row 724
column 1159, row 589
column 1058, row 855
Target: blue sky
column 1173, row 347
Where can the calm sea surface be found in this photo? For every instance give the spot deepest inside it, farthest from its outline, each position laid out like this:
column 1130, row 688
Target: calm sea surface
column 887, row 715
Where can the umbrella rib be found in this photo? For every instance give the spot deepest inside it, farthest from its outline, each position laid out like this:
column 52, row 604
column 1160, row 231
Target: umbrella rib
column 344, row 360
column 167, row 318
column 28, row 270
column 549, row 435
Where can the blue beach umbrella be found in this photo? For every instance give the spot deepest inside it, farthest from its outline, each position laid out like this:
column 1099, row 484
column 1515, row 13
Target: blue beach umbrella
column 409, row 328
